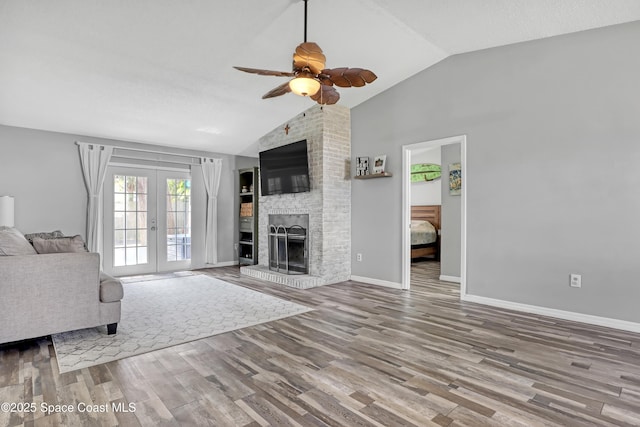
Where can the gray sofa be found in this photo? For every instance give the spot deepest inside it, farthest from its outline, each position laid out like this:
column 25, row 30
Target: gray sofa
column 58, row 292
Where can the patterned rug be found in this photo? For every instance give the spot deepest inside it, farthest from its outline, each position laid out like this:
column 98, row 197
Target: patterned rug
column 163, row 313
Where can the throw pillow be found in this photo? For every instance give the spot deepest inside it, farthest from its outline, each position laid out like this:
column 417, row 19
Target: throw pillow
column 59, row 245
column 44, row 235
column 12, row 242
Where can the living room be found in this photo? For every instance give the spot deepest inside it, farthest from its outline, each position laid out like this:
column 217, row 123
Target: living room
column 547, row 123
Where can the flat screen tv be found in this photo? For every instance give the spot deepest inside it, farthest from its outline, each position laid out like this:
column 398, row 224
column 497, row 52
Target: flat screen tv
column 284, row 169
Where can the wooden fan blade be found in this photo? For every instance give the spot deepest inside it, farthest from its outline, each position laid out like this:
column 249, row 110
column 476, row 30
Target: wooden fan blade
column 278, row 91
column 309, row 55
column 265, row 72
column 326, row 95
column 325, row 80
column 348, row 77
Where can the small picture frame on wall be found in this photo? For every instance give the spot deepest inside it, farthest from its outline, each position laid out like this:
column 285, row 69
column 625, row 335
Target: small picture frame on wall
column 379, row 164
column 455, row 179
column 362, row 166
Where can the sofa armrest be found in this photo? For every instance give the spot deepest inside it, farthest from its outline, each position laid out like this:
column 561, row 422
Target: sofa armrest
column 111, row 289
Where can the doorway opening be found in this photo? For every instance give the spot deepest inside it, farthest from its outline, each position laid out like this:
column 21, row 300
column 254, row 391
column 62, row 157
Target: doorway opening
column 147, row 220
column 457, row 258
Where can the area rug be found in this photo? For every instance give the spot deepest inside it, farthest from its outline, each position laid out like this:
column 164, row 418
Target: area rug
column 162, row 313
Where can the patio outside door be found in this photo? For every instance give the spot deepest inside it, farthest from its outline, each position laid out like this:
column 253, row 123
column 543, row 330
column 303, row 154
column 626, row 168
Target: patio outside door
column 147, row 221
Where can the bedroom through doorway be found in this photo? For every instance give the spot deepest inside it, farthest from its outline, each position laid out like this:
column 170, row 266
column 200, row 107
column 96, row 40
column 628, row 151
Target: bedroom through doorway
column 434, row 207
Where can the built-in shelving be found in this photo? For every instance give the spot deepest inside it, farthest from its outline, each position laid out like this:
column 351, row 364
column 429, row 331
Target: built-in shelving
column 248, row 221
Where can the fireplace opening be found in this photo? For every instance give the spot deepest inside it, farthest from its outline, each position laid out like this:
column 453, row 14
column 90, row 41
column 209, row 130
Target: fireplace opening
column 288, row 247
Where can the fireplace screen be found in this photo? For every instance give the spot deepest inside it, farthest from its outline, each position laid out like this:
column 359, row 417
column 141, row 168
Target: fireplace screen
column 288, row 249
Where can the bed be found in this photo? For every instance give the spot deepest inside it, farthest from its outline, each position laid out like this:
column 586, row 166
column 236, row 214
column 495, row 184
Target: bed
column 425, row 227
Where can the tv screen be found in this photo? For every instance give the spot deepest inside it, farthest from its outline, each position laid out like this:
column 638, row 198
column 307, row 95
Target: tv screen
column 284, row 169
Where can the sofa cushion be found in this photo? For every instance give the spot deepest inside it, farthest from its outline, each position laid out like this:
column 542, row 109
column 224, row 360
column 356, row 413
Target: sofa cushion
column 43, row 235
column 13, row 242
column 59, row 245
column 110, row 288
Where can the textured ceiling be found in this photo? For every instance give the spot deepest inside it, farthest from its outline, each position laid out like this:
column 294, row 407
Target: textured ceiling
column 160, row 71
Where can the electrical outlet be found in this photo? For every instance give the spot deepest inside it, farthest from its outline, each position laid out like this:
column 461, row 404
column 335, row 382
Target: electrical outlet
column 358, row 257
column 575, row 281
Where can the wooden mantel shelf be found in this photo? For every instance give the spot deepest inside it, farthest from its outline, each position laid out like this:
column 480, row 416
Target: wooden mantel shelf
column 374, row 175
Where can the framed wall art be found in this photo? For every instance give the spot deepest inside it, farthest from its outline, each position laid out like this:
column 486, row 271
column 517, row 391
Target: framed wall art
column 379, row 164
column 362, row 166
column 455, row 179
column 421, row 172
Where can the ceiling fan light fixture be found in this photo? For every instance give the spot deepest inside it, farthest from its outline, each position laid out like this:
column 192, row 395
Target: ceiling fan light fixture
column 304, row 86
column 310, row 77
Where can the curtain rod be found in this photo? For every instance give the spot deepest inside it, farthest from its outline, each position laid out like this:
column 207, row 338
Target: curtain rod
column 142, row 150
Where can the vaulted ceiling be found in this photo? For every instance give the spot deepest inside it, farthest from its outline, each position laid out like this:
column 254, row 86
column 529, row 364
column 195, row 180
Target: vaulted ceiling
column 160, row 71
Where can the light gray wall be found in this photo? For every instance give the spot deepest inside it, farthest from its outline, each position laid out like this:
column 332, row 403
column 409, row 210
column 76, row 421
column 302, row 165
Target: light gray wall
column 42, row 171
column 243, row 162
column 552, row 168
column 451, row 213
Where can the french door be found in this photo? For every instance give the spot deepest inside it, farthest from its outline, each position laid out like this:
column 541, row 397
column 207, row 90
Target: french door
column 147, row 221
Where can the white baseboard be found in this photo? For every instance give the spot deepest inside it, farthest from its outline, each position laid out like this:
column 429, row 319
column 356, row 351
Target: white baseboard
column 552, row 312
column 377, row 282
column 453, row 279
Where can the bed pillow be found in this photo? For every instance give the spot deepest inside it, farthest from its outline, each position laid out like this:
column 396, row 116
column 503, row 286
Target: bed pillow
column 59, row 245
column 421, row 225
column 13, row 242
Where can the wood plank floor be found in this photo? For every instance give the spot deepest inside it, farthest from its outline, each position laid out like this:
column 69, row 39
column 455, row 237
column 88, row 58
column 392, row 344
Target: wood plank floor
column 366, row 356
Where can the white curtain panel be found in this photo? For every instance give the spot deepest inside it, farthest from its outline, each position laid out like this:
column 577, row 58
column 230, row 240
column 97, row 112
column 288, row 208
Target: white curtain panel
column 211, row 172
column 7, row 211
column 94, row 160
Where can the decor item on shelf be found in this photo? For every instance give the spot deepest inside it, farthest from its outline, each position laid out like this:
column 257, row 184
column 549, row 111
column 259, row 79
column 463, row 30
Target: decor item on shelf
column 7, row 216
column 244, row 189
column 251, row 188
column 455, row 179
column 246, row 209
column 362, row 166
column 379, row 163
column 310, row 78
column 425, row 172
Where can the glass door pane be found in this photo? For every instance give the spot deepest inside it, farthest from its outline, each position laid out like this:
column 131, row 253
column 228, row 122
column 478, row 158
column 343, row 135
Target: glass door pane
column 178, row 219
column 130, row 245
column 129, row 220
column 175, row 221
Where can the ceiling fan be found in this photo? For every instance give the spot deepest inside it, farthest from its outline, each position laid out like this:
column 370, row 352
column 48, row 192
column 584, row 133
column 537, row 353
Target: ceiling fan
column 310, row 78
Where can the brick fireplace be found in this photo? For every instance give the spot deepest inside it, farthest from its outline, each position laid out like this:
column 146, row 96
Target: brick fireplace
column 327, row 130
